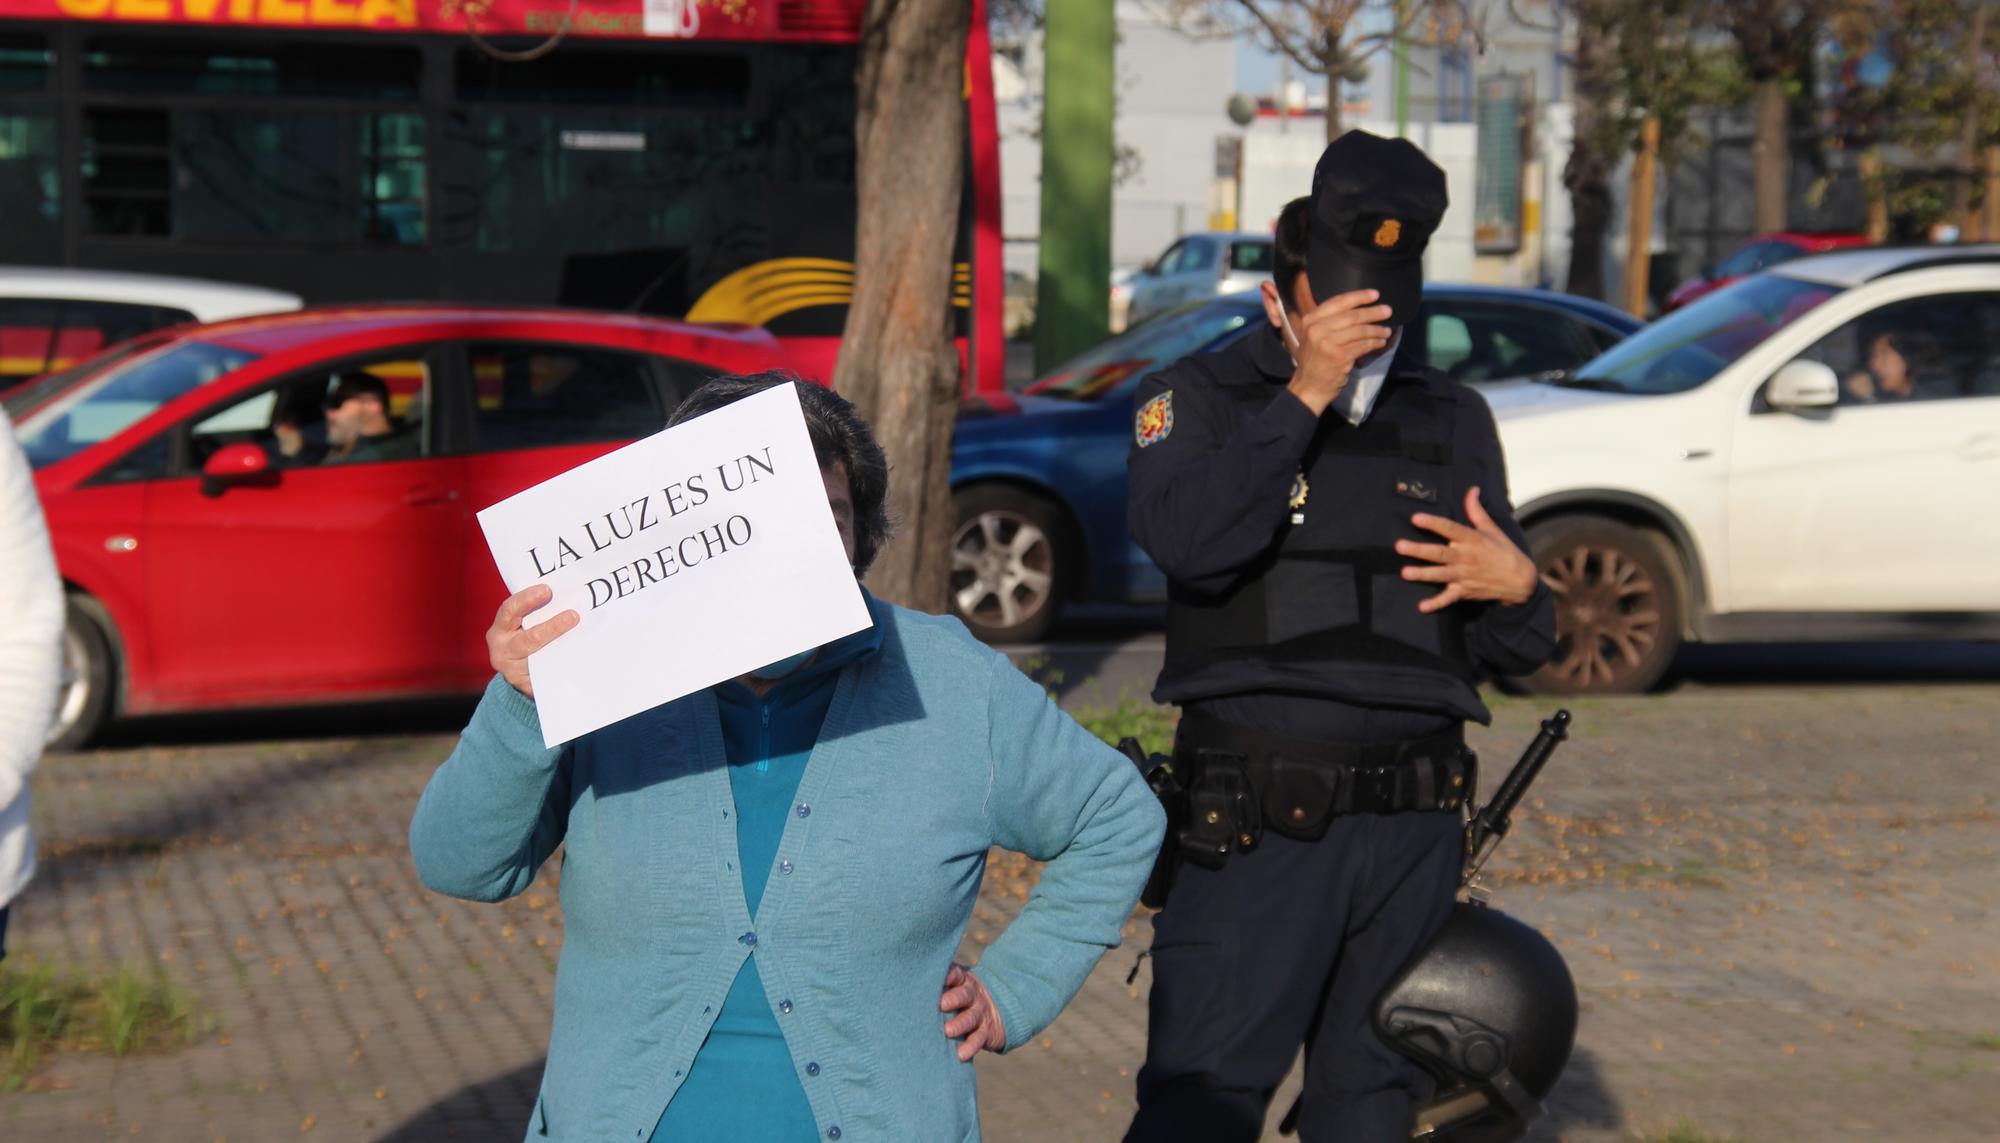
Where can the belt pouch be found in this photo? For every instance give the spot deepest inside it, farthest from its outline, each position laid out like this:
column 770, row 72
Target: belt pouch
column 1300, row 796
column 1213, row 802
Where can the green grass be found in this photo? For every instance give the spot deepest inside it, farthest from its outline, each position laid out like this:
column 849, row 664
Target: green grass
column 1693, row 873
column 1687, row 1131
column 1133, row 717
column 43, row 1010
column 1988, row 1040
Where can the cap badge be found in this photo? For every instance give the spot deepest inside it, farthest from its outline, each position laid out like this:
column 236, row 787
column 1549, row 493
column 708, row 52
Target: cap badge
column 1387, row 234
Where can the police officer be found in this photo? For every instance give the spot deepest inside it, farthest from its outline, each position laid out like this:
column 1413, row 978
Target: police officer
column 1343, row 567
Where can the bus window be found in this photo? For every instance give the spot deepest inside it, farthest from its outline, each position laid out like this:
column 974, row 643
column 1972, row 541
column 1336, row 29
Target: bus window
column 30, row 175
column 578, row 77
column 132, row 65
column 128, row 171
column 257, row 175
column 26, row 64
column 281, row 174
column 391, row 191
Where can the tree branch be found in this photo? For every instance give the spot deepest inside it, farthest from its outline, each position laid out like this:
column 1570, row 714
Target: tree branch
column 1281, row 38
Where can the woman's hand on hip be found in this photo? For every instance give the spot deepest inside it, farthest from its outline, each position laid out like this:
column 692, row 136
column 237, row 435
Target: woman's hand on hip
column 975, row 1022
column 509, row 641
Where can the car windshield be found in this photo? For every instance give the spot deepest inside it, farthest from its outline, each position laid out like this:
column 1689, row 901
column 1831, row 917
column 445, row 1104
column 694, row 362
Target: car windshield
column 1167, row 338
column 103, row 402
column 35, row 390
column 1687, row 347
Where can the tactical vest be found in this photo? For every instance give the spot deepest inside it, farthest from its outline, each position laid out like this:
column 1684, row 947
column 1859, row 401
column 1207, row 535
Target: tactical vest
column 1326, row 610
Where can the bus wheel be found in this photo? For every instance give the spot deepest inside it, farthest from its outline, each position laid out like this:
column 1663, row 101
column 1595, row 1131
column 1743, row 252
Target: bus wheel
column 83, row 696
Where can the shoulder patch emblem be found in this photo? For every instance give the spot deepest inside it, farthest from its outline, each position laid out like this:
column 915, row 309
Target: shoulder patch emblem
column 1155, row 420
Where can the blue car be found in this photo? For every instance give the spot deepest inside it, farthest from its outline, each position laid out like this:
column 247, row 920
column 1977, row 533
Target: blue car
column 1039, row 478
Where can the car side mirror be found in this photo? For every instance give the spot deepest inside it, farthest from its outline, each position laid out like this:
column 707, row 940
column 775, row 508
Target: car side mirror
column 1149, row 269
column 236, row 464
column 1803, row 385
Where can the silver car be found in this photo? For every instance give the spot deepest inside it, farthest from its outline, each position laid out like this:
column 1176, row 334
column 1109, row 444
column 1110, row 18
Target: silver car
column 1199, row 266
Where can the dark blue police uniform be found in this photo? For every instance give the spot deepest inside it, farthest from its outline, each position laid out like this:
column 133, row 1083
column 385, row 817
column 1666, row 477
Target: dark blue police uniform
column 1296, row 649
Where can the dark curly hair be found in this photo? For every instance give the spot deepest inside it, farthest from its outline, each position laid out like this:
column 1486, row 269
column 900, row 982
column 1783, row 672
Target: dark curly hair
column 838, row 434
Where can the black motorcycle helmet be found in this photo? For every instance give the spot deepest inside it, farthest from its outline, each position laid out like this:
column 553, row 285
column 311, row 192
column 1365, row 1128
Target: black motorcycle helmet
column 1489, row 1009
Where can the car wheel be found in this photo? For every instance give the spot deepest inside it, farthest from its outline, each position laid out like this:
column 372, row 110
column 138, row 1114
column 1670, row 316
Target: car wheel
column 83, row 693
column 1618, row 607
column 1006, row 563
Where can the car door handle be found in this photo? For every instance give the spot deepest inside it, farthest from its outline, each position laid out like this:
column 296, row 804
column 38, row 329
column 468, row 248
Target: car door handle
column 1985, row 446
column 427, row 494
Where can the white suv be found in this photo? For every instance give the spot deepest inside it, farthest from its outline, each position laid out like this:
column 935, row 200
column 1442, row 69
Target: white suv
column 1810, row 454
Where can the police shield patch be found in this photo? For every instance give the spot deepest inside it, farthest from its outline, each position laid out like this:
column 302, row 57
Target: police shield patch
column 1155, row 420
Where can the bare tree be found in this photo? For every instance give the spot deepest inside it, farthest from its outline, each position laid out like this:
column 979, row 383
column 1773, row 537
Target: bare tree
column 1635, row 59
column 1593, row 151
column 1332, row 39
column 1775, row 40
column 897, row 361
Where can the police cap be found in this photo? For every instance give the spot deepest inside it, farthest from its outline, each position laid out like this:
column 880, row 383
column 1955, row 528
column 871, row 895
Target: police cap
column 1375, row 203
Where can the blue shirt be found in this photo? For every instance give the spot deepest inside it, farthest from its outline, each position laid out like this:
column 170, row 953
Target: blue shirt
column 742, row 1084
column 934, row 750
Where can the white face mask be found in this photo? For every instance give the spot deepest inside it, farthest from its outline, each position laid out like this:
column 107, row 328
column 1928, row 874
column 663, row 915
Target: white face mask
column 1291, row 339
column 1356, row 400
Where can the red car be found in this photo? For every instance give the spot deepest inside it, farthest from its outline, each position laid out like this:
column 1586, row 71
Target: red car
column 219, row 549
column 1760, row 252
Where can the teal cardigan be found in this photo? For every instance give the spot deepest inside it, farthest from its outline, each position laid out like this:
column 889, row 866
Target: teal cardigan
column 934, row 750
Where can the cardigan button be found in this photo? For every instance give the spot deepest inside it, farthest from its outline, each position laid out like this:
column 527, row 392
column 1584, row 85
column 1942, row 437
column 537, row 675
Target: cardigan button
column 805, row 811
column 812, row 1069
column 749, row 939
column 833, row 1132
column 784, row 867
column 785, row 1007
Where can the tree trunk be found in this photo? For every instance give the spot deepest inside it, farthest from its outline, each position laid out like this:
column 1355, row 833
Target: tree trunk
column 1587, row 172
column 1771, row 151
column 1587, row 175
column 897, row 361
column 1332, row 57
column 1968, row 139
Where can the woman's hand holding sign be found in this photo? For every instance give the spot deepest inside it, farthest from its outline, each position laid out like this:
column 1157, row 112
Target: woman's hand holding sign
column 509, row 641
column 1480, row 562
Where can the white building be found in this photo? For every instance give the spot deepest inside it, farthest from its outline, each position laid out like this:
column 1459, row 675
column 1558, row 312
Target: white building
column 1171, row 93
column 1179, row 171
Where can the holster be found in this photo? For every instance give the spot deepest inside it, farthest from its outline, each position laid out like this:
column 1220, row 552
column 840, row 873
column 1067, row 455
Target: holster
column 1164, row 780
column 1222, row 811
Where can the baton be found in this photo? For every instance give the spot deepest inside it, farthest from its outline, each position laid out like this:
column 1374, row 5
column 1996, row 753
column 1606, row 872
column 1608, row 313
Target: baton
column 1490, row 824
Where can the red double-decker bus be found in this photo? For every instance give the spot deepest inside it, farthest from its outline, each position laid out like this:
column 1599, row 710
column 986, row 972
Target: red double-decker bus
column 689, row 158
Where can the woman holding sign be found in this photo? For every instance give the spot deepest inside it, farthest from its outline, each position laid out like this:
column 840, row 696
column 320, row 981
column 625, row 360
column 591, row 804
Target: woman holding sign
column 765, row 881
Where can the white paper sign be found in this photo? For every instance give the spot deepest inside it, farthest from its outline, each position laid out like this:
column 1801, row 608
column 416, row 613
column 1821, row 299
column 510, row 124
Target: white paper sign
column 698, row 554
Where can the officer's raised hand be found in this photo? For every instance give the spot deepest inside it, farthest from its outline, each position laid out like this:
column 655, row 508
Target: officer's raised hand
column 1480, row 562
column 1331, row 337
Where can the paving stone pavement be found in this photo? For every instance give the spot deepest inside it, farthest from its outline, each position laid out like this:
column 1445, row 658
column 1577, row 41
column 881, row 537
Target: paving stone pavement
column 1779, row 905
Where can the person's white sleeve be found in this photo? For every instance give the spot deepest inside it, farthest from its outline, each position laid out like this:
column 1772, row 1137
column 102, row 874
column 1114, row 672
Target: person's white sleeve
column 31, row 620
